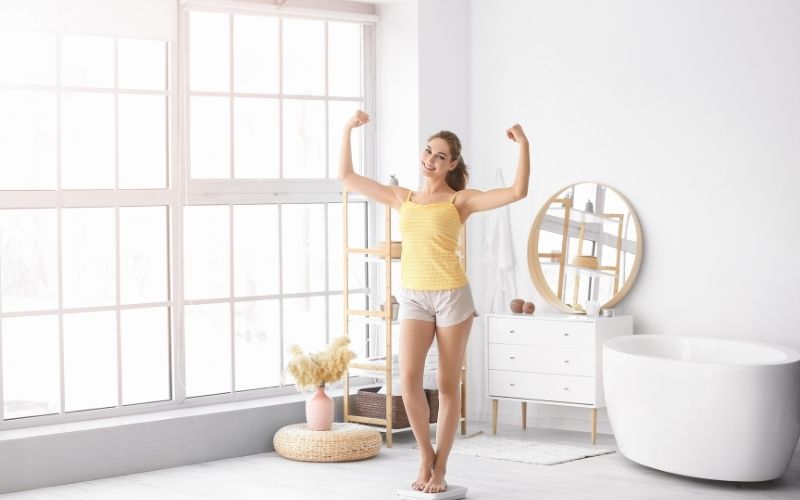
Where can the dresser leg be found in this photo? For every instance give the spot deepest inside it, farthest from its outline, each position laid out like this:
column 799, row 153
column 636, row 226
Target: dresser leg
column 594, row 425
column 494, row 415
column 524, row 415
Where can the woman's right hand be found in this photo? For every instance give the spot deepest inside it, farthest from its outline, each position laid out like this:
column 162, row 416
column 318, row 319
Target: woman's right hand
column 359, row 118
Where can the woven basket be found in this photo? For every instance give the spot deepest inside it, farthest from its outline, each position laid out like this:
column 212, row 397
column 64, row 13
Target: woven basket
column 433, row 402
column 371, row 404
column 345, row 442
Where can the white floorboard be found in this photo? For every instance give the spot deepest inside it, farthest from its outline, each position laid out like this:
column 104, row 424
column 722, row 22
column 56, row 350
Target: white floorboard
column 268, row 476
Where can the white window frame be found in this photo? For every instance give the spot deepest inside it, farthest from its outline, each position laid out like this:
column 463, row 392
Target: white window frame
column 182, row 191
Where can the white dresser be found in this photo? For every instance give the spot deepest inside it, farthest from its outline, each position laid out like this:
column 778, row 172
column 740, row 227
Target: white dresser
column 549, row 360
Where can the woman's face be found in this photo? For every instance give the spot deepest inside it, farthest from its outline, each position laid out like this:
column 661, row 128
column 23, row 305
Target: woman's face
column 435, row 160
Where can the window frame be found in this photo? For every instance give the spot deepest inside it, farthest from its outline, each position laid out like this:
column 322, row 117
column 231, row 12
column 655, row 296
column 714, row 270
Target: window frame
column 180, row 191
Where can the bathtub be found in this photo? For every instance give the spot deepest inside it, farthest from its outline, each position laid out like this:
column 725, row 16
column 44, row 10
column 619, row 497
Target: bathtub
column 708, row 408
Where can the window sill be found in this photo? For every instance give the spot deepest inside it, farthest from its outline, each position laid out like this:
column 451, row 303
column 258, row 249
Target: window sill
column 159, row 415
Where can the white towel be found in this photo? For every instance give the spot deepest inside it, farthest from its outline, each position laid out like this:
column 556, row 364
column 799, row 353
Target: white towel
column 498, row 258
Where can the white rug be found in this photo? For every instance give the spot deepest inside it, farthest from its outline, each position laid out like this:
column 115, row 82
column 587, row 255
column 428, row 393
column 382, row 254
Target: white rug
column 529, row 452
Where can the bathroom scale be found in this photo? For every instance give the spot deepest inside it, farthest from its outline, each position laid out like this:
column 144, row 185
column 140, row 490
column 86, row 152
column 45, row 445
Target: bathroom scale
column 453, row 493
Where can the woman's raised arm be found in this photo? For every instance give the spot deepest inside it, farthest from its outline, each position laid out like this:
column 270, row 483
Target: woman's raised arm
column 473, row 200
column 389, row 195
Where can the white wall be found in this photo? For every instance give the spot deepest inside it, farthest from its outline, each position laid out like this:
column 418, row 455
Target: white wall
column 691, row 110
column 397, row 115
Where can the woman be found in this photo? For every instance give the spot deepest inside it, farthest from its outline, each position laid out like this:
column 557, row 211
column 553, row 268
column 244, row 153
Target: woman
column 436, row 300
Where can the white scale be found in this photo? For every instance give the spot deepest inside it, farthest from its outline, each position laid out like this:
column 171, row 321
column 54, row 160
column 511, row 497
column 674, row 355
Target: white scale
column 453, row 493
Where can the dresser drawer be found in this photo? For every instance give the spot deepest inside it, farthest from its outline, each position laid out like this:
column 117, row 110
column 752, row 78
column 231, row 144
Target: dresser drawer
column 567, row 334
column 545, row 386
column 524, row 358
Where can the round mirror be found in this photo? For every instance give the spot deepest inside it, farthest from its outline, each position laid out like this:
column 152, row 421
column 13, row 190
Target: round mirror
column 585, row 248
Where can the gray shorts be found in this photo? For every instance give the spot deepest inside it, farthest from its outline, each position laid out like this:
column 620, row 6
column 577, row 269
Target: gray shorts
column 443, row 307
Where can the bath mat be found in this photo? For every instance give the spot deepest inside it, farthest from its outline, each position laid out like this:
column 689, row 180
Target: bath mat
column 529, row 452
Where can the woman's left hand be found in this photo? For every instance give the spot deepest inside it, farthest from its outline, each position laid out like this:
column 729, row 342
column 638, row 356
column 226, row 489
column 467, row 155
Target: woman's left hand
column 516, row 134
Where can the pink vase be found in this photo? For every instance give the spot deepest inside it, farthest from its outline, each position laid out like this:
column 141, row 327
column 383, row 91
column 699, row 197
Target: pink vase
column 319, row 411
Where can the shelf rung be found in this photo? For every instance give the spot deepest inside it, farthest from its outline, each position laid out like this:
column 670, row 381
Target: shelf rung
column 369, row 366
column 360, row 312
column 366, row 420
column 369, row 251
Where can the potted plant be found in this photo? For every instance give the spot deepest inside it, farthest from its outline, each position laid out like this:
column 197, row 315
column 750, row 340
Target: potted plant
column 313, row 371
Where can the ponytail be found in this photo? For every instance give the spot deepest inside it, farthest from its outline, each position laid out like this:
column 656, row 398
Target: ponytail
column 456, row 178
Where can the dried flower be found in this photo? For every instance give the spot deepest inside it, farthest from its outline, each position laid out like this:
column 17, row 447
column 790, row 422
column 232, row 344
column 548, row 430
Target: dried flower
column 320, row 368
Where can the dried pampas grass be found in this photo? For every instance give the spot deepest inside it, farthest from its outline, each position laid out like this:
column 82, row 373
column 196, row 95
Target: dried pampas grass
column 325, row 367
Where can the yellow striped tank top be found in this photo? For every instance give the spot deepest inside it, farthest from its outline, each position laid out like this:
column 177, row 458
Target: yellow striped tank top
column 430, row 239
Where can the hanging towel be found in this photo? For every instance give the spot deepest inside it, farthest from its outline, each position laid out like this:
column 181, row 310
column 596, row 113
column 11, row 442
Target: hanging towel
column 498, row 258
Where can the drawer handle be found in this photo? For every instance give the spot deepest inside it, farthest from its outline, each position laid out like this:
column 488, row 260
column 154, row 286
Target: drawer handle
column 566, row 334
column 566, row 361
column 512, row 331
column 511, row 384
column 566, row 388
column 512, row 357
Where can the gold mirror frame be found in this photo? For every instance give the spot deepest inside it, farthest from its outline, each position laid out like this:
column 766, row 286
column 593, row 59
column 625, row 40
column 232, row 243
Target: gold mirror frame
column 575, row 216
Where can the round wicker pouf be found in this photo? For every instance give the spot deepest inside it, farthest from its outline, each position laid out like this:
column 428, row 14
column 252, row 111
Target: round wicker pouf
column 343, row 443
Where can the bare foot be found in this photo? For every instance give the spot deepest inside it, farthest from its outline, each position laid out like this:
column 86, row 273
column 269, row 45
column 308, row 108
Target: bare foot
column 425, row 469
column 436, row 484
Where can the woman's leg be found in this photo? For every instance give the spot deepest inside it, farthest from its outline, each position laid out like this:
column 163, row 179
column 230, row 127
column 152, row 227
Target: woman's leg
column 416, row 337
column 451, row 343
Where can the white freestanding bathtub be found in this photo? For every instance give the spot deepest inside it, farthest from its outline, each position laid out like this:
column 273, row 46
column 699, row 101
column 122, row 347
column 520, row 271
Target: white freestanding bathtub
column 708, row 408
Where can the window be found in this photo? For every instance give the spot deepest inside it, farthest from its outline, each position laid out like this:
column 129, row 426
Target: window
column 166, row 236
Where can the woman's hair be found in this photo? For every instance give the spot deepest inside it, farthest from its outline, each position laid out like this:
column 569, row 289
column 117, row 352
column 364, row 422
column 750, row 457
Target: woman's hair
column 456, row 178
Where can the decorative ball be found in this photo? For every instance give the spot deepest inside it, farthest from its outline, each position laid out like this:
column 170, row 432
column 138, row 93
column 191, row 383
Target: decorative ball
column 528, row 308
column 516, row 305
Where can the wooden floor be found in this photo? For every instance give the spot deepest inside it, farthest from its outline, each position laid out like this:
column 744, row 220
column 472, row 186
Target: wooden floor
column 268, row 476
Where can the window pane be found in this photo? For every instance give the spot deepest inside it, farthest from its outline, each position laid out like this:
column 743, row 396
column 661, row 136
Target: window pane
column 145, row 355
column 303, row 139
column 87, row 61
column 28, row 58
column 305, row 322
column 209, row 51
column 206, row 252
column 255, row 244
column 210, row 139
column 303, row 57
column 255, row 54
column 27, row 140
column 256, row 138
column 208, row 349
column 90, row 360
column 344, row 59
column 30, row 366
column 258, row 347
column 303, row 240
column 88, row 257
column 338, row 114
column 28, row 260
column 143, row 251
column 142, row 141
column 87, row 141
column 356, row 230
column 142, row 64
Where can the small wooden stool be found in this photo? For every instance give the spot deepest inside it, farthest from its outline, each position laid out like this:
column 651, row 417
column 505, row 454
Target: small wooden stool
column 345, row 442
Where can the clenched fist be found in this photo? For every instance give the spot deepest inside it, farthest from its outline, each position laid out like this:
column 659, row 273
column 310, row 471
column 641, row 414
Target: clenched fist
column 516, row 134
column 359, row 118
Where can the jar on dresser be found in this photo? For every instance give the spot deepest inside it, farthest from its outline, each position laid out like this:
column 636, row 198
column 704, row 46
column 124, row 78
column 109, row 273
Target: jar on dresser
column 549, row 360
